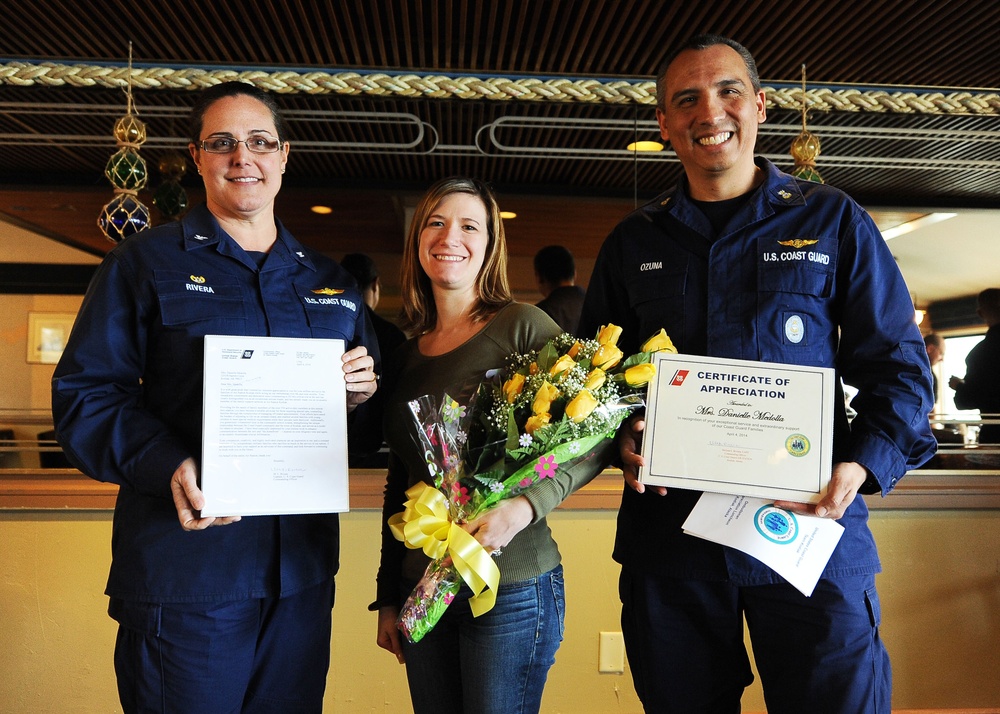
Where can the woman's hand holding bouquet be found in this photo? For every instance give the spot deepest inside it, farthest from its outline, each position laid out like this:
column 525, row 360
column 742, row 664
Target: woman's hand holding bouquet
column 550, row 409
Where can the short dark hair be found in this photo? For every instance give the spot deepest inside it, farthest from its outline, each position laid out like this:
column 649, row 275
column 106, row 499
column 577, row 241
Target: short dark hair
column 989, row 303
column 703, row 42
column 211, row 95
column 361, row 267
column 933, row 338
column 554, row 264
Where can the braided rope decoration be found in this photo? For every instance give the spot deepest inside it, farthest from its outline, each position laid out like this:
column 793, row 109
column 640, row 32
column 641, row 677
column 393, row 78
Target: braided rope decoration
column 24, row 74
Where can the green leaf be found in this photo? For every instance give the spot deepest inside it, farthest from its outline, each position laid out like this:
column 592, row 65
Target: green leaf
column 547, row 357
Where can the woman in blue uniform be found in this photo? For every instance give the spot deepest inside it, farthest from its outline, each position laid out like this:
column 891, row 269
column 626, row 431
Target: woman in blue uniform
column 222, row 619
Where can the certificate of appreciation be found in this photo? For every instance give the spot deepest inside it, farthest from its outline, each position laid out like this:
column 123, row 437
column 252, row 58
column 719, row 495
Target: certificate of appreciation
column 740, row 427
column 275, row 426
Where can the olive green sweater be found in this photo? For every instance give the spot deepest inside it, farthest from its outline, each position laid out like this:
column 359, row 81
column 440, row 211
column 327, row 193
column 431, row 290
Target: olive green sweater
column 515, row 328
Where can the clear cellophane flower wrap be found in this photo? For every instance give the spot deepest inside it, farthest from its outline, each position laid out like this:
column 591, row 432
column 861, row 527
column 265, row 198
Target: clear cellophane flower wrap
column 547, row 410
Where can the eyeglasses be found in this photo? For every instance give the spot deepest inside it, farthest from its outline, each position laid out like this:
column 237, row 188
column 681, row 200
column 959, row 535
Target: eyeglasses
column 258, row 144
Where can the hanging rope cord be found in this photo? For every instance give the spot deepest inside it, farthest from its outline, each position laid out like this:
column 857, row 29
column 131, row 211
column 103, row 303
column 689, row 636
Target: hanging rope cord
column 824, row 99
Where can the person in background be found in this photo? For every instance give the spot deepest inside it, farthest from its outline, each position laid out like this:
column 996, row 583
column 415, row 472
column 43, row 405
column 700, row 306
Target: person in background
column 457, row 303
column 934, row 345
column 980, row 389
column 215, row 614
column 743, row 261
column 555, row 271
column 390, row 339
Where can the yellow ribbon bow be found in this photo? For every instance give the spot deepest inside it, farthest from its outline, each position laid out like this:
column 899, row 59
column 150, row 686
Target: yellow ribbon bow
column 424, row 524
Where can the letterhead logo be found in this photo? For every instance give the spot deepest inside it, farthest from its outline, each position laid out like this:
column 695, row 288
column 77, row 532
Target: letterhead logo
column 679, row 377
column 247, row 354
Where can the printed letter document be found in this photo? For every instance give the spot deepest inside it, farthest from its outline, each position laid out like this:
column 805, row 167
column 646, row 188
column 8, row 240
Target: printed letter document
column 275, row 426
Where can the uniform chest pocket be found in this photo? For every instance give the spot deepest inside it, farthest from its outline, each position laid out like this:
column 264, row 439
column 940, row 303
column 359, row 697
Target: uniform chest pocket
column 186, row 298
column 657, row 285
column 331, row 315
column 799, row 277
column 658, row 299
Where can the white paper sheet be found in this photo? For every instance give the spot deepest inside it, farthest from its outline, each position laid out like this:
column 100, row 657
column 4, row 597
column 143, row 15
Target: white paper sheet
column 741, row 427
column 796, row 547
column 275, row 426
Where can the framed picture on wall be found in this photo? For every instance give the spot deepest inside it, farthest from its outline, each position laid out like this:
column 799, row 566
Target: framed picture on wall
column 47, row 335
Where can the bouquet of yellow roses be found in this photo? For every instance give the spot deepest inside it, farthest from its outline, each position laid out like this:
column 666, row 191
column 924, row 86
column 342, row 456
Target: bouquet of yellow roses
column 547, row 408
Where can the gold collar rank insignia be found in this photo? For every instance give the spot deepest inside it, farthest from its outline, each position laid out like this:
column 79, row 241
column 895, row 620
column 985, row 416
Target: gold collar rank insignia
column 784, row 194
column 328, row 291
column 798, row 242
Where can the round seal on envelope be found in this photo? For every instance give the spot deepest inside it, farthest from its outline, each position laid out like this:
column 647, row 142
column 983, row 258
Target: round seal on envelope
column 776, row 525
column 795, row 329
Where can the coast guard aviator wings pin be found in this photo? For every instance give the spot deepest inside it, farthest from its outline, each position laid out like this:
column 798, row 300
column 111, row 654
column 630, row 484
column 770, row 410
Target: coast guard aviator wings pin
column 798, row 242
column 327, row 291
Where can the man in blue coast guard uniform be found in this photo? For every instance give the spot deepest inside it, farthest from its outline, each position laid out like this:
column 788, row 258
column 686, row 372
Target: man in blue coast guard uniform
column 742, row 261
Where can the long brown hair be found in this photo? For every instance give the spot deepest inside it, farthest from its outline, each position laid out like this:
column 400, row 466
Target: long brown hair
column 492, row 288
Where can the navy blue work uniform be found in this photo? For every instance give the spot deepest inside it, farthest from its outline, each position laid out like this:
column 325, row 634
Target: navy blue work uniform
column 798, row 275
column 127, row 405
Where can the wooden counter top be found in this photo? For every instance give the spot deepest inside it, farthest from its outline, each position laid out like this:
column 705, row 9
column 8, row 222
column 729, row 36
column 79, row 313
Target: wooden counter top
column 928, row 488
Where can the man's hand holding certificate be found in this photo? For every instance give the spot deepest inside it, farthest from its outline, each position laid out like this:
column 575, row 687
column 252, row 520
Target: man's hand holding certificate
column 739, row 427
column 750, row 429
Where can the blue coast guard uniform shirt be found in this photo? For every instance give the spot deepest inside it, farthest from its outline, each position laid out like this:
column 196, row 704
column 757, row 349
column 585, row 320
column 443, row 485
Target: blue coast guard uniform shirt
column 799, row 275
column 127, row 401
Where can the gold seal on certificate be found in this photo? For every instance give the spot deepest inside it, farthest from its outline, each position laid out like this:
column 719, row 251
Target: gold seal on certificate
column 746, row 428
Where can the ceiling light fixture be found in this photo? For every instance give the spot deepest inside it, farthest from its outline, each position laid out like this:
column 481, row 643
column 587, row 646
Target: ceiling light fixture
column 321, row 210
column 644, row 146
column 508, row 215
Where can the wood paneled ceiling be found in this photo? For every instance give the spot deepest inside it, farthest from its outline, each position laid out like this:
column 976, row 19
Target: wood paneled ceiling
column 559, row 164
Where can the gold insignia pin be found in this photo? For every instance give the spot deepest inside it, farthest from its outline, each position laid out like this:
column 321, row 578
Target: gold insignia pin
column 798, row 242
column 328, row 291
column 197, row 279
column 784, row 194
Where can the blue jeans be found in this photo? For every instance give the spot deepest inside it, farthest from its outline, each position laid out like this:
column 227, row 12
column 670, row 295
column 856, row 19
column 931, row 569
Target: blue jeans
column 493, row 664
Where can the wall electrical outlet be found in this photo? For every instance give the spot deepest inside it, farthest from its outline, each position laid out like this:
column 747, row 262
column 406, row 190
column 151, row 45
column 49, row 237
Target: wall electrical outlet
column 611, row 657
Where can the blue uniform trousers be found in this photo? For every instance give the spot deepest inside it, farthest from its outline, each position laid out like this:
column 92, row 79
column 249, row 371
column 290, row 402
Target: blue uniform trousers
column 262, row 656
column 821, row 654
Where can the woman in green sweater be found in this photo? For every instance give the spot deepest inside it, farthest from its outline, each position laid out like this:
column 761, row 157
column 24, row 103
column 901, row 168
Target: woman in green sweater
column 456, row 300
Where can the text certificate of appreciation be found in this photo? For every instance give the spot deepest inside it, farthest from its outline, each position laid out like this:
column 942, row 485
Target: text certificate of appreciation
column 746, row 428
column 275, row 426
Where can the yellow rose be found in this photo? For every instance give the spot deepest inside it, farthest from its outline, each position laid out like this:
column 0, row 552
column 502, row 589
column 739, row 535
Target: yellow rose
column 513, row 386
column 574, row 350
column 595, row 379
column 536, row 422
column 562, row 364
column 606, row 357
column 609, row 334
column 640, row 374
column 543, row 398
column 581, row 406
column 660, row 342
